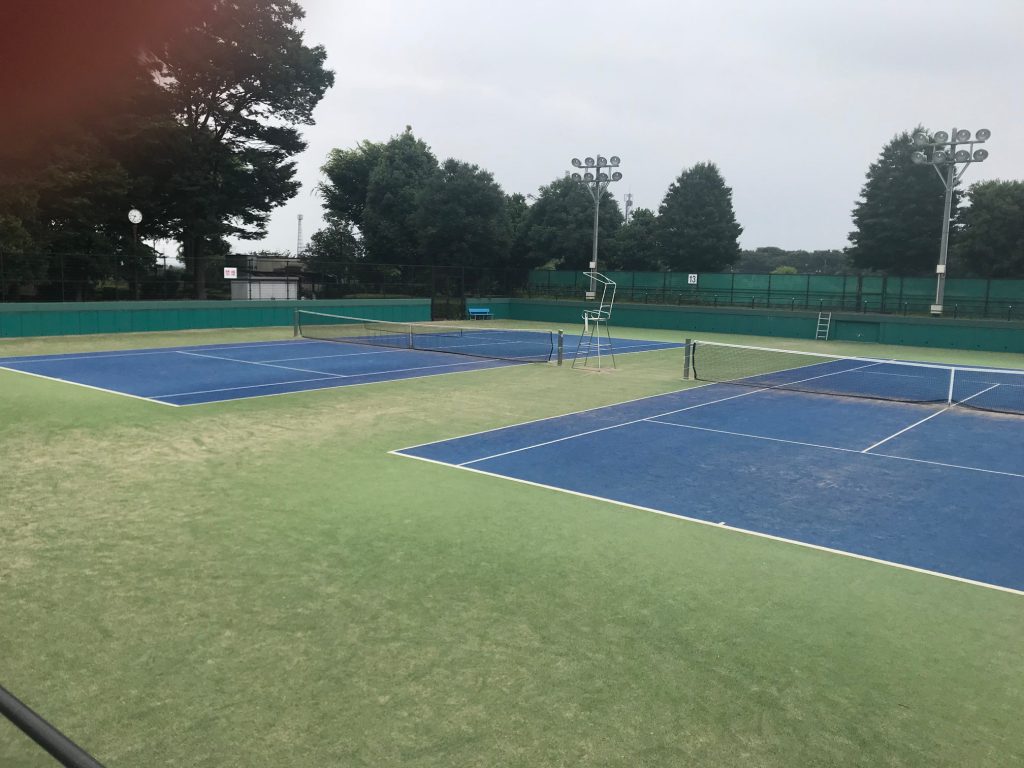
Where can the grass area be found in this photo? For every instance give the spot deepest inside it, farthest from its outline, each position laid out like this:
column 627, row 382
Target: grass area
column 259, row 583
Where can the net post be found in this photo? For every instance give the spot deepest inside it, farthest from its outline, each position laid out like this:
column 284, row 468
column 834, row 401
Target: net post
column 687, row 358
column 561, row 345
column 295, row 324
column 952, row 378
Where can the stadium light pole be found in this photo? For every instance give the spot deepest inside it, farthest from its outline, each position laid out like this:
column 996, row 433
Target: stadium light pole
column 596, row 178
column 940, row 151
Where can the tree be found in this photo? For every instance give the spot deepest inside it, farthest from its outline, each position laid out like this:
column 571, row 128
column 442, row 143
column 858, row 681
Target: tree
column 697, row 229
column 388, row 222
column 991, row 243
column 348, row 181
column 461, row 218
column 898, row 219
column 636, row 243
column 331, row 246
column 560, row 225
column 238, row 84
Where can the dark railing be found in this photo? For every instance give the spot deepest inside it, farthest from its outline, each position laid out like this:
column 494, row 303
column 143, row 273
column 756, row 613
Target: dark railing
column 88, row 277
column 59, row 746
column 994, row 299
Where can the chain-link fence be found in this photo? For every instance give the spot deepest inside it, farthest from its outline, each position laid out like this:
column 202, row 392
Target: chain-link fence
column 33, row 277
column 977, row 298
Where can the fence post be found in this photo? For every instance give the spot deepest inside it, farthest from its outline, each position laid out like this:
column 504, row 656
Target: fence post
column 3, row 279
column 807, row 294
column 988, row 290
column 732, row 288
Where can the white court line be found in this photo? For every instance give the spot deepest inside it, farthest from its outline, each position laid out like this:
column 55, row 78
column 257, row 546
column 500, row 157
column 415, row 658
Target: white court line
column 603, row 429
column 128, row 353
column 328, row 377
column 88, row 386
column 268, row 365
column 339, row 385
column 905, row 429
column 560, row 416
column 723, row 526
column 655, row 416
column 922, row 421
column 834, row 448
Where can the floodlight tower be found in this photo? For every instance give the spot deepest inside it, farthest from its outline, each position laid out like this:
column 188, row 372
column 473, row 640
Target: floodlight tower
column 596, row 179
column 945, row 158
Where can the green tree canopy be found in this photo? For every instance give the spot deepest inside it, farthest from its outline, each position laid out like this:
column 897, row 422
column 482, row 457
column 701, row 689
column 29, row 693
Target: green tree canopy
column 991, row 243
column 348, row 181
column 560, row 225
column 898, row 218
column 697, row 229
column 333, row 245
column 389, row 223
column 238, row 83
column 636, row 243
column 461, row 217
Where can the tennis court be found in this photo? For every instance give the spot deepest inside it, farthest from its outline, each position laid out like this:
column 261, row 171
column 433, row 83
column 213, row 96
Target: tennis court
column 331, row 351
column 919, row 466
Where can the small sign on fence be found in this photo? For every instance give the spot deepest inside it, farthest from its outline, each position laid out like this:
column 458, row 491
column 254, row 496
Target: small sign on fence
column 230, row 273
column 691, row 279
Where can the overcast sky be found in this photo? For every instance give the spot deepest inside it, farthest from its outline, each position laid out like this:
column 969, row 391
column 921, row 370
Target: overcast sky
column 793, row 99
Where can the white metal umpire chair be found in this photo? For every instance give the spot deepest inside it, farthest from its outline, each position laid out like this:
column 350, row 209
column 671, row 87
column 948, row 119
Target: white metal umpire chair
column 591, row 345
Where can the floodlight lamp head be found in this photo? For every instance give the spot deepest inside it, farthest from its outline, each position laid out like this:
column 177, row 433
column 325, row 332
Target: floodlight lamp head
column 588, row 176
column 939, row 157
column 980, row 154
column 602, row 176
column 921, row 138
column 963, row 135
column 918, row 157
column 941, row 137
column 962, row 156
column 616, row 176
column 982, row 135
column 590, row 162
column 576, row 163
column 614, row 161
column 577, row 177
column 602, row 160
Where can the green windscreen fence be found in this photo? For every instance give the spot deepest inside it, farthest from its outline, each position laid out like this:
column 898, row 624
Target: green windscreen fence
column 1001, row 299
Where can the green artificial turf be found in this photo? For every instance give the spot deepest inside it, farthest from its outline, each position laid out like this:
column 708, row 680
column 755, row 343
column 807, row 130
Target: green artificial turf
column 260, row 583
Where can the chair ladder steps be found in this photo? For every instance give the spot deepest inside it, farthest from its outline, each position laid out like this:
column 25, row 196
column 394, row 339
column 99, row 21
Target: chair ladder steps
column 824, row 326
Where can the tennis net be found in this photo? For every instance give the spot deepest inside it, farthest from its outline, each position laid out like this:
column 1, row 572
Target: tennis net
column 989, row 389
column 533, row 346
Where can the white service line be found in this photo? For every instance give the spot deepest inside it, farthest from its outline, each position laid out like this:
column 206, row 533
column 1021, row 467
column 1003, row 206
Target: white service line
column 833, row 448
column 269, row 365
column 905, row 429
column 328, row 377
column 128, row 353
column 605, row 429
column 723, row 526
column 922, row 421
column 655, row 416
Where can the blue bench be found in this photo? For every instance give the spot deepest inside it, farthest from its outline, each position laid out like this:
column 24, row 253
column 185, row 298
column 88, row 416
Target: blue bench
column 479, row 313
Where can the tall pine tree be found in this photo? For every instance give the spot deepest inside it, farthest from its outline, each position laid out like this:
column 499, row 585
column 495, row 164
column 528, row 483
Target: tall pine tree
column 697, row 228
column 898, row 219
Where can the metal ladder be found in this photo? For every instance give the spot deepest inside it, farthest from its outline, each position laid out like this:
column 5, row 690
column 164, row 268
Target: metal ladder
column 590, row 344
column 824, row 324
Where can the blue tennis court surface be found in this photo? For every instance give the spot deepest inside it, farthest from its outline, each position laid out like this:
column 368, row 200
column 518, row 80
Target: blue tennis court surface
column 932, row 488
column 214, row 373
